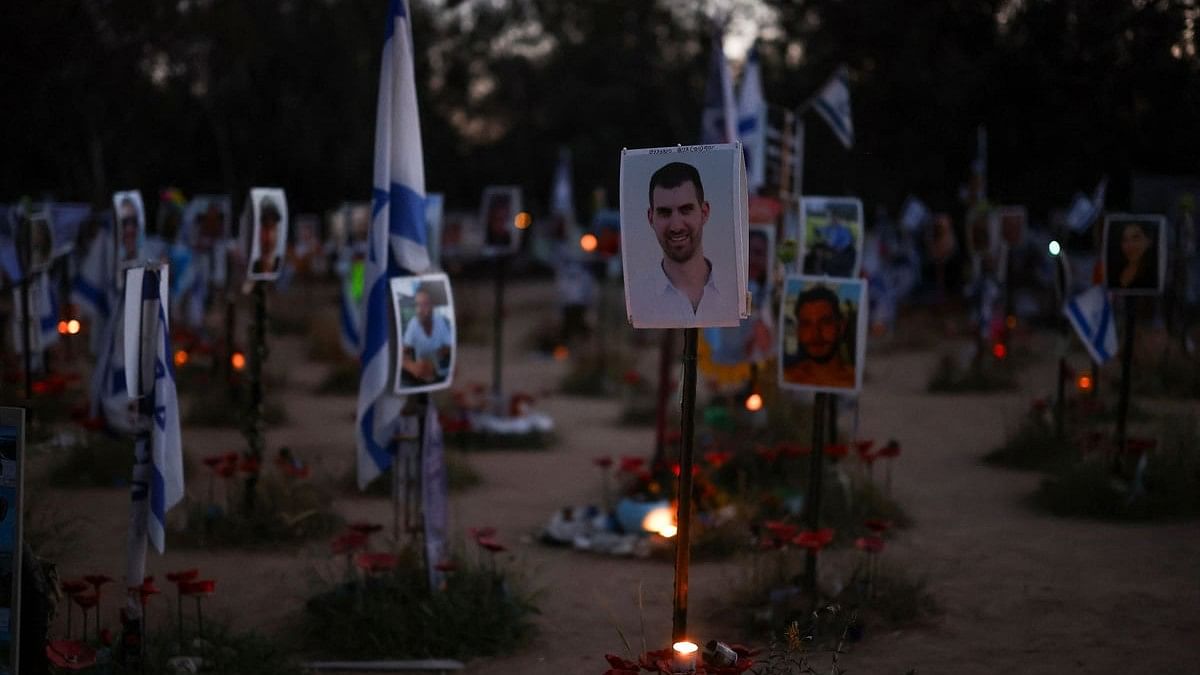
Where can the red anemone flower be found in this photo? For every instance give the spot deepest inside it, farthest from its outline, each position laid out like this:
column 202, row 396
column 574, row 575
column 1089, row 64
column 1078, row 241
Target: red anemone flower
column 249, row 465
column 870, row 544
column 198, row 587
column 631, row 464
column 891, row 450
column 348, row 542
column 97, row 580
column 621, row 666
column 182, row 575
column 718, row 458
column 878, row 525
column 836, row 450
column 70, row 654
column 74, row 586
column 231, row 457
column 374, row 563
column 86, row 600
column 226, row 469
column 603, row 462
column 780, row 531
column 491, row 545
column 863, row 448
column 631, row 377
column 814, row 539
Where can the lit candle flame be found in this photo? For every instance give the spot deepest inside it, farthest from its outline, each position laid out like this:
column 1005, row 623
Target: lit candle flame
column 661, row 521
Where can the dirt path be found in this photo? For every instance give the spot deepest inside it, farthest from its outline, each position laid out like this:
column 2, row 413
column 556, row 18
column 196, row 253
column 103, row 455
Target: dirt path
column 1021, row 592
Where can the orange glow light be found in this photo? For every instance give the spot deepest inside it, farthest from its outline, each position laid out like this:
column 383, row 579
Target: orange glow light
column 238, row 360
column 62, row 327
column 1085, row 383
column 1011, row 322
column 754, row 402
column 523, row 220
column 561, row 353
column 181, row 357
column 588, row 243
column 661, row 521
column 73, row 327
column 999, row 350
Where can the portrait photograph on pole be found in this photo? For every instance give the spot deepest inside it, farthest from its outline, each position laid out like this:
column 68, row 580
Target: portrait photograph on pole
column 130, row 215
column 823, row 334
column 268, row 239
column 1135, row 253
column 684, row 236
column 41, row 244
column 497, row 213
column 423, row 307
column 831, row 235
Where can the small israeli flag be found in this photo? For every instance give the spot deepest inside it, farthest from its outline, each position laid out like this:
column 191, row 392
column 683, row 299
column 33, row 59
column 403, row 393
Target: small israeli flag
column 1090, row 313
column 752, row 122
column 833, row 104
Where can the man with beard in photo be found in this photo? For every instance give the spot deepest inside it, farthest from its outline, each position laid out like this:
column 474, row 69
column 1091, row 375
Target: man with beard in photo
column 677, row 214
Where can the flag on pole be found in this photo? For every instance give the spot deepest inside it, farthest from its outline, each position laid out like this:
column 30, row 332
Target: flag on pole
column 718, row 120
column 161, row 484
column 833, row 104
column 396, row 241
column 1090, row 313
column 752, row 122
column 1084, row 210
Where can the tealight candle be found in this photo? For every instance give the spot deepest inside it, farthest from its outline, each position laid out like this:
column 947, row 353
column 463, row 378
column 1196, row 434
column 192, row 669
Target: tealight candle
column 685, row 657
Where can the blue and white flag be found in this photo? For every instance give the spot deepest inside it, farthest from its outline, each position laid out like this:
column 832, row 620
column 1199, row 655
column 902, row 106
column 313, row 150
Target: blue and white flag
column 752, row 122
column 1090, row 313
column 718, row 120
column 1086, row 210
column 159, row 481
column 396, row 243
column 833, row 104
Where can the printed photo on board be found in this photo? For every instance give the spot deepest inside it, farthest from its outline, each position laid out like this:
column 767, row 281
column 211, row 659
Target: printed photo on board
column 424, row 311
column 498, row 213
column 684, row 236
column 1135, row 253
column 269, row 236
column 822, row 329
column 130, row 231
column 831, row 233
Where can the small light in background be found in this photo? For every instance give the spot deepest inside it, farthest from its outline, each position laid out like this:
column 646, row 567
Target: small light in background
column 1084, row 383
column 62, row 327
column 523, row 220
column 1055, row 247
column 685, row 657
column 1010, row 321
column 754, row 402
column 237, row 360
column 73, row 327
column 588, row 243
column 661, row 521
column 561, row 352
column 181, row 357
column 999, row 351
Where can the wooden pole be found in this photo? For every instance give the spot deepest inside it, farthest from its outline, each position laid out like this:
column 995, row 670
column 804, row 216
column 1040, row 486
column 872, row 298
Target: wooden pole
column 812, row 505
column 684, row 494
column 666, row 354
column 253, row 429
column 1126, row 368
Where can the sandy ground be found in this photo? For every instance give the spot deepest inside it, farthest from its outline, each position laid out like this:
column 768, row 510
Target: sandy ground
column 1020, row 592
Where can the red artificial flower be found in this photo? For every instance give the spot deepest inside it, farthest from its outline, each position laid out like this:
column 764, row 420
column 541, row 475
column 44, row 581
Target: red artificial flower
column 814, row 539
column 97, row 580
column 491, row 545
column 878, row 525
column 226, row 469
column 836, row 450
column 780, row 531
column 249, row 465
column 365, row 528
column 231, row 457
column 620, row 666
column 863, row 448
column 374, row 563
column 630, row 464
column 718, row 458
column 657, row 660
column 675, row 470
column 446, row 566
column 86, row 600
column 348, row 542
column 870, row 543
column 891, row 450
column 198, row 587
column 631, row 377
column 603, row 462
column 477, row 533
column 768, row 453
column 70, row 654
column 74, row 586
column 182, row 575
column 791, row 450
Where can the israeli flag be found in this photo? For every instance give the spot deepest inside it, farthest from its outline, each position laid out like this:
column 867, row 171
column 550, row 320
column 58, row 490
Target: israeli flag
column 1084, row 210
column 752, row 122
column 158, row 473
column 1090, row 313
column 833, row 104
column 718, row 120
column 396, row 243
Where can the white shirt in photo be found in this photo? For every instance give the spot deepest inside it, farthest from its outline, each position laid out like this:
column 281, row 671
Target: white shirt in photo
column 673, row 304
column 426, row 345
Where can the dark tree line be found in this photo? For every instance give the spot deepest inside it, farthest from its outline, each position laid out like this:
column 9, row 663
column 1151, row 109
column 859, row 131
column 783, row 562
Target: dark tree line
column 217, row 95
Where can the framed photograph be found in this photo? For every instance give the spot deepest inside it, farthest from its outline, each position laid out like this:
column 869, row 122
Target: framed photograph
column 424, row 309
column 684, row 236
column 1011, row 222
column 498, row 212
column 129, row 213
column 41, row 241
column 1135, row 253
column 831, row 236
column 268, row 239
column 760, row 261
column 823, row 334
column 207, row 222
column 12, row 463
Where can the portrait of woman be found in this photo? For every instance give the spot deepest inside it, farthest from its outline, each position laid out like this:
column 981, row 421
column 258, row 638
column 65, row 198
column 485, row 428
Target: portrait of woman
column 1133, row 254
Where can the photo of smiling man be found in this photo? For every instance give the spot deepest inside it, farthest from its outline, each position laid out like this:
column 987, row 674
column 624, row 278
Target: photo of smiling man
column 679, row 239
column 823, row 334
